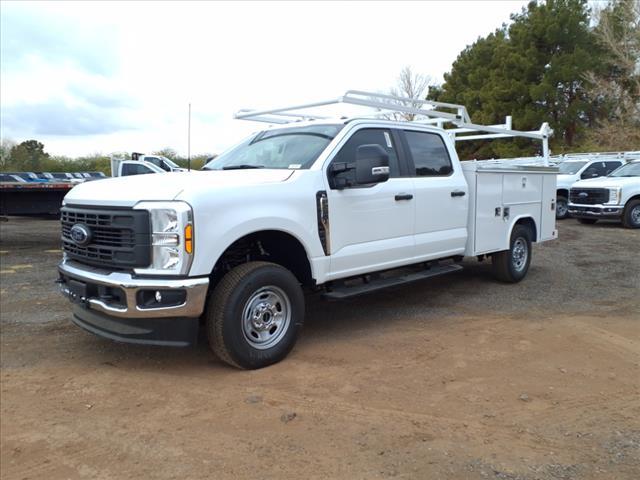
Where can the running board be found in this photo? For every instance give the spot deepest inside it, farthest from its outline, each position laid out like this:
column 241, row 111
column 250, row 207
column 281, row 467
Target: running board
column 340, row 292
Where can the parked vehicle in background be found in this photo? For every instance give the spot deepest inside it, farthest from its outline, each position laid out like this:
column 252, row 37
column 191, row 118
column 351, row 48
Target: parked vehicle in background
column 343, row 207
column 159, row 161
column 11, row 178
column 124, row 168
column 28, row 176
column 97, row 174
column 582, row 166
column 38, row 193
column 616, row 196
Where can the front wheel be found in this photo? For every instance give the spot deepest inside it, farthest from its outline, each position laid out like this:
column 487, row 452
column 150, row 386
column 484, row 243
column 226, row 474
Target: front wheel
column 631, row 215
column 254, row 315
column 512, row 265
column 562, row 207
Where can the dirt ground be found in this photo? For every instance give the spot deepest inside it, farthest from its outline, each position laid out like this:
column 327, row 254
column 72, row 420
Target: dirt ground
column 453, row 378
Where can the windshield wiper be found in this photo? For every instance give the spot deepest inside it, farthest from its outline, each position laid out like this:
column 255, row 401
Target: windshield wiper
column 241, row 166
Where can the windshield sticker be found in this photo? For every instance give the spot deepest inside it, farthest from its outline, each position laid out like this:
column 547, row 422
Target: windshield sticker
column 388, row 139
column 295, row 166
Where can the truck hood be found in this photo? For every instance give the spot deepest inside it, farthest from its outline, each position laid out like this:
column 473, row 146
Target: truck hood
column 127, row 191
column 601, row 182
column 565, row 180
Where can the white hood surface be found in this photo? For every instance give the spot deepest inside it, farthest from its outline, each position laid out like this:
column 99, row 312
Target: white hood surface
column 566, row 180
column 127, row 191
column 602, row 182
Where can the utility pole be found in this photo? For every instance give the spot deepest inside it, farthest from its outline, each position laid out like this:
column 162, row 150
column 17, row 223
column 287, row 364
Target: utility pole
column 189, row 139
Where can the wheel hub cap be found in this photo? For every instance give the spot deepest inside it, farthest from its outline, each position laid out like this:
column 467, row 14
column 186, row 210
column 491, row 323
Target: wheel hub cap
column 561, row 208
column 520, row 254
column 266, row 317
column 635, row 215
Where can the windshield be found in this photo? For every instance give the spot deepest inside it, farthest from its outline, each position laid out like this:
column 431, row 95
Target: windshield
column 278, row 148
column 628, row 170
column 569, row 168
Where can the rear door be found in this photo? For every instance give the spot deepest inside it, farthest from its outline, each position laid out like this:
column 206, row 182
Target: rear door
column 441, row 196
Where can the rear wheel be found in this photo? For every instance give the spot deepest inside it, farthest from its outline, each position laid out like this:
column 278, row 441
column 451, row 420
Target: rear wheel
column 254, row 315
column 631, row 215
column 588, row 221
column 562, row 207
column 512, row 265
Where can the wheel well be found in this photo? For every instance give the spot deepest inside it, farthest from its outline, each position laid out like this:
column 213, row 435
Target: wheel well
column 635, row 197
column 268, row 245
column 563, row 191
column 531, row 225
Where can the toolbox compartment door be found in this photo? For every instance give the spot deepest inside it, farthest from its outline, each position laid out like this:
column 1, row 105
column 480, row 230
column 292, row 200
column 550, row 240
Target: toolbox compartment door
column 491, row 229
column 548, row 208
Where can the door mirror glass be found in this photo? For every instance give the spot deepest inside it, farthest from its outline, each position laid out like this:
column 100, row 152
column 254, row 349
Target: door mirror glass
column 589, row 173
column 372, row 164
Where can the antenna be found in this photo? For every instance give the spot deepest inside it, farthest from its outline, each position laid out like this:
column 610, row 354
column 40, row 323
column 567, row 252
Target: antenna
column 189, row 139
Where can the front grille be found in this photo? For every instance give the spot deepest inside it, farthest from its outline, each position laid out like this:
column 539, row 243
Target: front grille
column 589, row 196
column 120, row 239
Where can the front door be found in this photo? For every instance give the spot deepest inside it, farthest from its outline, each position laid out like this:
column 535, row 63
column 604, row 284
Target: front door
column 371, row 227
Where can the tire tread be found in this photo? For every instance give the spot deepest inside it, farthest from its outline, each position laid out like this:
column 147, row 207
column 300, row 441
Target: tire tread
column 216, row 307
column 626, row 214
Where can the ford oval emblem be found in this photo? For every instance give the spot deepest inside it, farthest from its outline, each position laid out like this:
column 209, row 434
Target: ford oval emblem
column 80, row 234
column 583, row 194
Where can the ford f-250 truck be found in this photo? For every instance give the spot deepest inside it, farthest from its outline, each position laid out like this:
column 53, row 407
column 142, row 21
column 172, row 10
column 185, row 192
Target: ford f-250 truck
column 580, row 166
column 343, row 207
column 614, row 197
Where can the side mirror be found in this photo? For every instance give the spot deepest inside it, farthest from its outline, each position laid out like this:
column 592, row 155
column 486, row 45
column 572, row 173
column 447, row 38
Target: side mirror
column 372, row 164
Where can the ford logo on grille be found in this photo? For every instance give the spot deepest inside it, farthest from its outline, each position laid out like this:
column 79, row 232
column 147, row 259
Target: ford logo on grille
column 80, row 234
column 583, row 194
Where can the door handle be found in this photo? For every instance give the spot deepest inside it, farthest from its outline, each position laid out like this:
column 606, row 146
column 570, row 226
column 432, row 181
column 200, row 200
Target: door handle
column 403, row 196
column 458, row 193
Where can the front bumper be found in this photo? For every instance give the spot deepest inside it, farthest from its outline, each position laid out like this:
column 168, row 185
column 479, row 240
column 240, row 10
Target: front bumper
column 119, row 306
column 595, row 211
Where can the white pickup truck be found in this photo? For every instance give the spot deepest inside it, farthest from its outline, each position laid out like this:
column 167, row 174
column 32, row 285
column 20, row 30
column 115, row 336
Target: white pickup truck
column 342, row 207
column 585, row 166
column 141, row 164
column 614, row 197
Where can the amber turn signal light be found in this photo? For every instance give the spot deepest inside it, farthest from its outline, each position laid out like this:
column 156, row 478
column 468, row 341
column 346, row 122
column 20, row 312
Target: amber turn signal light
column 188, row 239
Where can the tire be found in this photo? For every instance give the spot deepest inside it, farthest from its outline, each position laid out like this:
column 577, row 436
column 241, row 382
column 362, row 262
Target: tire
column 631, row 215
column 562, row 210
column 587, row 221
column 254, row 315
column 512, row 265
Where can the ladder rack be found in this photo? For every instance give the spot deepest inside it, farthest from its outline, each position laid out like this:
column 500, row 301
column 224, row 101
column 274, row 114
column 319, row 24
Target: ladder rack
column 431, row 112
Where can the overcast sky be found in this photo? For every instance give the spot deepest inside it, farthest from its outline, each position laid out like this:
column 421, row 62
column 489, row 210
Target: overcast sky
column 104, row 77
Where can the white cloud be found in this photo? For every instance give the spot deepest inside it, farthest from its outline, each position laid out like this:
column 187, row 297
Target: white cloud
column 138, row 65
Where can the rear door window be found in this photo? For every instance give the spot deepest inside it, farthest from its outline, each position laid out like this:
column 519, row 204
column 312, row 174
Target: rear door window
column 429, row 154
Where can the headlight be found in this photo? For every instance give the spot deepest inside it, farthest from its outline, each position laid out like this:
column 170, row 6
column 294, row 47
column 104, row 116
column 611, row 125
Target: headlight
column 614, row 195
column 171, row 238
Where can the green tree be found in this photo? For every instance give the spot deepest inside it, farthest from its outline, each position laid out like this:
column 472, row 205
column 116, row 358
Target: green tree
column 533, row 70
column 615, row 90
column 167, row 152
column 28, row 156
column 5, row 153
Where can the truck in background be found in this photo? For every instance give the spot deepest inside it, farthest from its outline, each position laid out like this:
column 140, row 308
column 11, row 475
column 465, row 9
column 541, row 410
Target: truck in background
column 612, row 197
column 582, row 166
column 141, row 164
